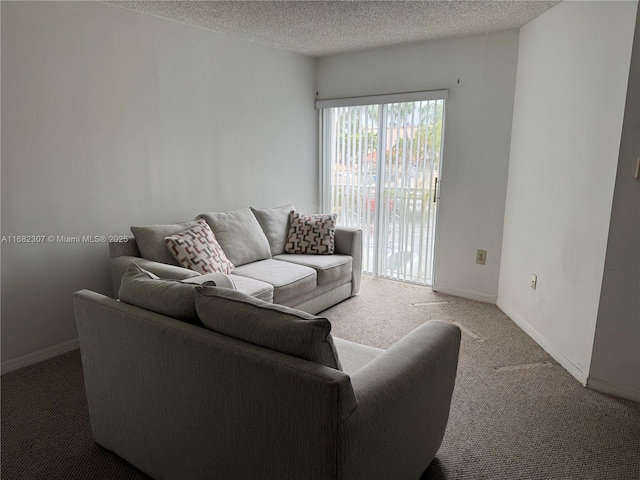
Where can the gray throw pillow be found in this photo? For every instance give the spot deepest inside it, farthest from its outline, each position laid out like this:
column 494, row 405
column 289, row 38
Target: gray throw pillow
column 275, row 225
column 150, row 240
column 269, row 325
column 240, row 236
column 172, row 298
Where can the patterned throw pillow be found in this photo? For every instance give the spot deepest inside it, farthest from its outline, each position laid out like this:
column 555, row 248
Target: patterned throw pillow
column 197, row 249
column 311, row 233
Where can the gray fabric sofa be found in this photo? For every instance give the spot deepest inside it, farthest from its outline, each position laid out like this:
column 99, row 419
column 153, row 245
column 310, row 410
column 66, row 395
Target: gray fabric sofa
column 254, row 240
column 181, row 401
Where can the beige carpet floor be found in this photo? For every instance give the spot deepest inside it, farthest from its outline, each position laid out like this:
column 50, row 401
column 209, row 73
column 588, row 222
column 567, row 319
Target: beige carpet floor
column 515, row 413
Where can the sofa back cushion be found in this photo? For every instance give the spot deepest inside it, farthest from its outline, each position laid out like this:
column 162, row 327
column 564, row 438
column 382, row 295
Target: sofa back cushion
column 275, row 225
column 150, row 240
column 269, row 325
column 240, row 235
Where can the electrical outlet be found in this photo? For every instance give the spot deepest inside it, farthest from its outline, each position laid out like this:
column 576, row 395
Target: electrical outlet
column 481, row 257
column 534, row 281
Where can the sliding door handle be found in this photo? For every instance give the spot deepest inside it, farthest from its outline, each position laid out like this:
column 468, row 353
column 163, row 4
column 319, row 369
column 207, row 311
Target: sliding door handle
column 435, row 191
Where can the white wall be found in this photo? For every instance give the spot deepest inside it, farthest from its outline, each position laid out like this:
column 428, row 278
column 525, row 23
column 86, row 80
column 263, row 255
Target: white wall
column 573, row 67
column 477, row 139
column 615, row 364
column 112, row 118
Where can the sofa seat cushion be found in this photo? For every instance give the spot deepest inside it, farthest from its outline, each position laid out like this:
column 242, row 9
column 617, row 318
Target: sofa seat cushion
column 310, row 301
column 330, row 268
column 255, row 288
column 354, row 356
column 289, row 280
column 272, row 326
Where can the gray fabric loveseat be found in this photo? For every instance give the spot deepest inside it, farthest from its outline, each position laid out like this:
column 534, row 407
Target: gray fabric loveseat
column 254, row 241
column 238, row 388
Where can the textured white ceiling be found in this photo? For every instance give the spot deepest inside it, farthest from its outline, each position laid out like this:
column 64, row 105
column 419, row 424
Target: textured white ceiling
column 320, row 28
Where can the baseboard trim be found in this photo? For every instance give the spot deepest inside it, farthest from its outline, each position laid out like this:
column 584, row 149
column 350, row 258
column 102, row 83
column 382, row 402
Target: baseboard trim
column 39, row 356
column 541, row 340
column 605, row 387
column 458, row 292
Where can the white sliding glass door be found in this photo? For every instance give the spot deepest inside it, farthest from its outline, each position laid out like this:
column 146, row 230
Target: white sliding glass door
column 381, row 165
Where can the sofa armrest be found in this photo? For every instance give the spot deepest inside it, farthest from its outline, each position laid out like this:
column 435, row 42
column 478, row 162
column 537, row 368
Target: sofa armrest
column 349, row 242
column 130, row 247
column 404, row 397
column 119, row 265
